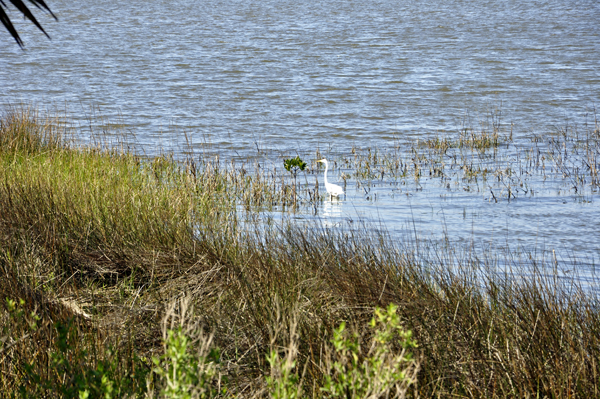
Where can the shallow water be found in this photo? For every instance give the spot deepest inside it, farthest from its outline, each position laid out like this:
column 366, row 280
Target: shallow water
column 245, row 79
column 558, row 230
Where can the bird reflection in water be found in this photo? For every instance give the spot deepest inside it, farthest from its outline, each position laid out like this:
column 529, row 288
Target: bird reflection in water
column 332, row 213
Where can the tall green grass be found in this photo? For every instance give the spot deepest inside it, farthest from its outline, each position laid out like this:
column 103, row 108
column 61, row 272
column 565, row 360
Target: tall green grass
column 129, row 277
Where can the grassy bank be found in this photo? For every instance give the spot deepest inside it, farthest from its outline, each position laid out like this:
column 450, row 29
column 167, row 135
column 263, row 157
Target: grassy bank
column 125, row 277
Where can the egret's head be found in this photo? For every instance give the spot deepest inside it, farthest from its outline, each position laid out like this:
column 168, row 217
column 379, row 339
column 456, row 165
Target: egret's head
column 322, row 160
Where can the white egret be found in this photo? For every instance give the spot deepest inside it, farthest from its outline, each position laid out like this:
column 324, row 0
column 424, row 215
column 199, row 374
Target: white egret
column 332, row 189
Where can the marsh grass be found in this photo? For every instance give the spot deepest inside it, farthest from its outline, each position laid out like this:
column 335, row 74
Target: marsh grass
column 487, row 161
column 109, row 261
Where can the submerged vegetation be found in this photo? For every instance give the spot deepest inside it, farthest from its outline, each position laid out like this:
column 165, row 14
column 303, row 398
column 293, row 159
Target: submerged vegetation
column 129, row 277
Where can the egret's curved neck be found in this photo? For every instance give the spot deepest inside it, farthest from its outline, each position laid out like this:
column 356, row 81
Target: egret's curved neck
column 326, row 167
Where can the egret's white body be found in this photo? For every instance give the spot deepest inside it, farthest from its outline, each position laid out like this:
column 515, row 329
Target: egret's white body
column 332, row 189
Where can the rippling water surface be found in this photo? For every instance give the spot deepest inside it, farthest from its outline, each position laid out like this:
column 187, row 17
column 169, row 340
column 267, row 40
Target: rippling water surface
column 287, row 77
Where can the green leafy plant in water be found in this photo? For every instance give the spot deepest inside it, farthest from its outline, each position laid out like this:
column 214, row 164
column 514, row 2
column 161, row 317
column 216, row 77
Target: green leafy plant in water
column 294, row 165
column 387, row 369
column 184, row 375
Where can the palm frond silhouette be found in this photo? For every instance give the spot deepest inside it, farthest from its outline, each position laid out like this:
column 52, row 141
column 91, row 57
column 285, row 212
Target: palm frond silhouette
column 20, row 5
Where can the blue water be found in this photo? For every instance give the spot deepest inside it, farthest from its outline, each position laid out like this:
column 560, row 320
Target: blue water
column 273, row 79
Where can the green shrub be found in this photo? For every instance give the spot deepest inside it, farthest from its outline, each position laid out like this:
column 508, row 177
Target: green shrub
column 72, row 372
column 284, row 382
column 386, row 369
column 183, row 375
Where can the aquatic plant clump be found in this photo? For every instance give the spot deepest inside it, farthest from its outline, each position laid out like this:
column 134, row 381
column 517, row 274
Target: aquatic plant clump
column 133, row 277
